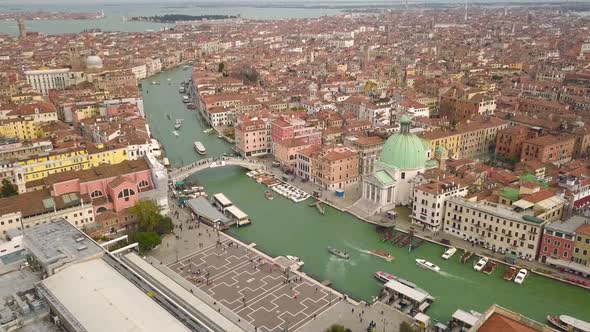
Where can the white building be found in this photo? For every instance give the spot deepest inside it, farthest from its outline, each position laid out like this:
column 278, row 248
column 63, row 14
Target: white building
column 43, row 80
column 429, row 201
column 140, row 72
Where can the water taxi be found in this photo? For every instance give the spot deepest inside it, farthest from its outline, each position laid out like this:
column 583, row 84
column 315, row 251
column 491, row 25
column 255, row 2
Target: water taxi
column 510, row 273
column 200, row 148
column 481, row 263
column 268, row 195
column 449, row 253
column 181, row 89
column 383, row 254
column 384, row 277
column 521, row 276
column 178, row 123
column 185, row 99
column 338, row 253
column 296, row 260
column 568, row 323
column 427, row 265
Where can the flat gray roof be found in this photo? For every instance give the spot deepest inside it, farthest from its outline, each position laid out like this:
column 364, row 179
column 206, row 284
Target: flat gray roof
column 201, row 206
column 101, row 299
column 568, row 226
column 407, row 291
column 58, row 242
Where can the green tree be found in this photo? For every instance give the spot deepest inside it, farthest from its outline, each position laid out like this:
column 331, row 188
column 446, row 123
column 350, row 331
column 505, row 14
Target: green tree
column 336, row 328
column 220, row 67
column 147, row 214
column 164, row 226
column 147, row 240
column 8, row 189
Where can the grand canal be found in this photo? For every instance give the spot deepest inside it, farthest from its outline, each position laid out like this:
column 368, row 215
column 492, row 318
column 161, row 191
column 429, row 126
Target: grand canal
column 281, row 227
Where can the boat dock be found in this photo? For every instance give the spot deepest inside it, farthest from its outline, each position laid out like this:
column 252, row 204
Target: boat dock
column 319, row 206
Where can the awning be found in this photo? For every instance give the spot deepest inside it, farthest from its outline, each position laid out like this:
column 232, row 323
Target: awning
column 582, row 202
column 569, row 265
column 465, row 317
column 523, row 204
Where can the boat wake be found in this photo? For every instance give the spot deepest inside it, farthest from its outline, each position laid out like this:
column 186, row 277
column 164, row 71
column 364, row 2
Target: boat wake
column 452, row 276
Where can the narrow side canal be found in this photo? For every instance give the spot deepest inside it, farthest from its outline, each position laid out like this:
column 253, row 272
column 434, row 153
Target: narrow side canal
column 281, row 227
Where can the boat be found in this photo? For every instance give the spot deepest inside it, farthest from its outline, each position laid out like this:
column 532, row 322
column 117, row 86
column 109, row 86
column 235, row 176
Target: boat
column 296, row 260
column 168, row 116
column 191, row 106
column 449, row 253
column 208, row 130
column 427, row 265
column 490, row 267
column 338, row 253
column 383, row 276
column 481, row 263
column 178, row 123
column 268, row 194
column 521, row 276
column 466, row 256
column 568, row 323
column 383, row 254
column 510, row 273
column 175, row 133
column 219, row 136
column 200, row 148
column 181, row 89
column 155, row 83
column 185, row 99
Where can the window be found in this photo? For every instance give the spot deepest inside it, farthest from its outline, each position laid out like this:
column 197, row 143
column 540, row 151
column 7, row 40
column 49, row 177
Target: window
column 143, row 184
column 126, row 193
column 96, row 193
column 403, row 175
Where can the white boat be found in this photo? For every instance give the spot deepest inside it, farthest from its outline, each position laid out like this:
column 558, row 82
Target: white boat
column 481, row 263
column 175, row 133
column 181, row 89
column 296, row 260
column 519, row 279
column 178, row 123
column 569, row 323
column 449, row 253
column 427, row 265
column 384, row 276
column 166, row 162
column 200, row 148
column 185, row 99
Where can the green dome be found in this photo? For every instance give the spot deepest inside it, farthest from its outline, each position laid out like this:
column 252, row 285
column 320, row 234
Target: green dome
column 403, row 149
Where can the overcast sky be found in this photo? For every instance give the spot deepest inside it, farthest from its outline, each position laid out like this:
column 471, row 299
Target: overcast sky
column 95, row 2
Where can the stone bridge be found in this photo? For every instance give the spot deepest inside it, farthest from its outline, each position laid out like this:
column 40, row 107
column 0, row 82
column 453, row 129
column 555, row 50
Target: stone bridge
column 179, row 174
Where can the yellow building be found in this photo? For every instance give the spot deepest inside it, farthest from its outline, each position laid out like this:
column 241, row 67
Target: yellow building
column 107, row 154
column 23, row 129
column 85, row 112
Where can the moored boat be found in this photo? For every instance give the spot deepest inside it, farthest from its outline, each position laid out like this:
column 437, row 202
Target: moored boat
column 490, row 267
column 185, row 99
column 427, row 265
column 383, row 276
column 338, row 253
column 181, row 89
column 449, row 253
column 200, row 148
column 521, row 276
column 481, row 263
column 510, row 273
column 296, row 260
column 568, row 323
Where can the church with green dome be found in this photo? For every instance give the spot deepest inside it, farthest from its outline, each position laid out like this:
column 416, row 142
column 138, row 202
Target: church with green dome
column 404, row 156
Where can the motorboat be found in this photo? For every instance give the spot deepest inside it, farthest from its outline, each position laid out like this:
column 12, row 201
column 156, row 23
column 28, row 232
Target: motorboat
column 296, row 260
column 427, row 265
column 449, row 253
column 268, row 195
column 181, row 89
column 338, row 253
column 178, row 123
column 481, row 263
column 185, row 99
column 522, row 273
column 568, row 323
column 383, row 276
column 510, row 273
column 175, row 133
column 383, row 254
column 200, row 148
column 219, row 136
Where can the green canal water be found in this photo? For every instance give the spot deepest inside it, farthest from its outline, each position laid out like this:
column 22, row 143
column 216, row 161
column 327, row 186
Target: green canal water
column 281, row 227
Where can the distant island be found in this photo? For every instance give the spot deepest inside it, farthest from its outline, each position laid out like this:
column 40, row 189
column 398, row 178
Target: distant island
column 49, row 16
column 172, row 18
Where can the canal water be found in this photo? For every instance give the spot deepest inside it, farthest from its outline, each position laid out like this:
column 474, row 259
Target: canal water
column 281, row 227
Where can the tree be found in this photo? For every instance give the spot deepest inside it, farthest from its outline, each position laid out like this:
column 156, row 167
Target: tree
column 164, row 226
column 147, row 240
column 8, row 189
column 147, row 214
column 336, row 328
column 220, row 67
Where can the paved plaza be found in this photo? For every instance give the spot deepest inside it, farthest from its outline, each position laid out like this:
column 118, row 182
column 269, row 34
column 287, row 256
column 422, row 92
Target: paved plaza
column 258, row 290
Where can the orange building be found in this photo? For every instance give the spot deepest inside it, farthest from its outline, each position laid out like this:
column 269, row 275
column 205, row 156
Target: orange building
column 509, row 141
column 330, row 167
column 548, row 149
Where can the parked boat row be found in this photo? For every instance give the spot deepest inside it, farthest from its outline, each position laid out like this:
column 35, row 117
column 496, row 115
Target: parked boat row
column 280, row 187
